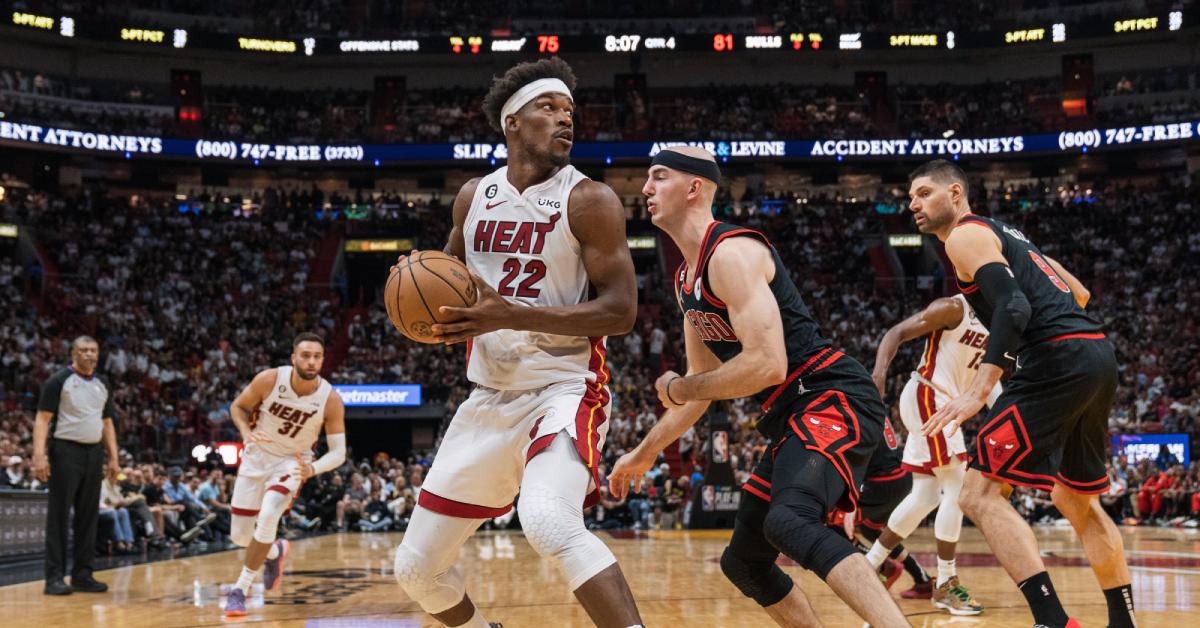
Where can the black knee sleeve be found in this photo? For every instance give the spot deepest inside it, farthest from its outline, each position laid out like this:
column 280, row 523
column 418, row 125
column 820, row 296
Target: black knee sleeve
column 797, row 530
column 752, row 569
column 805, row 490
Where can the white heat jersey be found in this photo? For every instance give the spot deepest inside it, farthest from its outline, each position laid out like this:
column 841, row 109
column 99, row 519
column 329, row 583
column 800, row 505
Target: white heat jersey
column 521, row 245
column 292, row 422
column 952, row 356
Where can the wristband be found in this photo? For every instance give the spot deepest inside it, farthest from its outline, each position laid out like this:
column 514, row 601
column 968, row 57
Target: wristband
column 669, row 397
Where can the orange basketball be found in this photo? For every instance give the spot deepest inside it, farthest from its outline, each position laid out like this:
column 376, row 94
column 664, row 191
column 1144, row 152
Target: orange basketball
column 420, row 286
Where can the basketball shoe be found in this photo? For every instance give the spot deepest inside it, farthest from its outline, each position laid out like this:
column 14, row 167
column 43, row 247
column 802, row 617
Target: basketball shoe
column 954, row 597
column 273, row 569
column 235, row 604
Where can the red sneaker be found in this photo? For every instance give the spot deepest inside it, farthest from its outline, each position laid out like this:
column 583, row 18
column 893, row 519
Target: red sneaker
column 889, row 572
column 919, row 591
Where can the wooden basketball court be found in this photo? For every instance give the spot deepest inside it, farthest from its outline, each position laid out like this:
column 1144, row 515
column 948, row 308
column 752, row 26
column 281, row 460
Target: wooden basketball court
column 345, row 580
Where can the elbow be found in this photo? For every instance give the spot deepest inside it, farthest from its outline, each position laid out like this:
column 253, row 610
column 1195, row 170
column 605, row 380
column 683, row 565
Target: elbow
column 1083, row 296
column 774, row 371
column 1019, row 311
column 623, row 321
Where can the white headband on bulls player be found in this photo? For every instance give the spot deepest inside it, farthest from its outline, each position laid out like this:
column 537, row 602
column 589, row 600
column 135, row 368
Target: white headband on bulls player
column 528, row 93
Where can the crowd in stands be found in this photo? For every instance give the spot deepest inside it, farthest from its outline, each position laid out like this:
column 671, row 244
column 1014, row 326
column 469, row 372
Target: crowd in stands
column 791, row 111
column 190, row 297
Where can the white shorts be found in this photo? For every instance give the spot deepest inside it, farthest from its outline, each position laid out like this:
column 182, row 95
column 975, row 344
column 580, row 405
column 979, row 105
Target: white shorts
column 918, row 402
column 479, row 466
column 260, row 472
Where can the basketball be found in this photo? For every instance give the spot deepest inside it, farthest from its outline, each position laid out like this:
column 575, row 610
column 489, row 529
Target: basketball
column 420, row 286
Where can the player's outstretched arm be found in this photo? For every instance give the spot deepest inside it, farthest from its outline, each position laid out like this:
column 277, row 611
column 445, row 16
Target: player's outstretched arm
column 976, row 254
column 597, row 220
column 944, row 313
column 335, row 436
column 740, row 273
column 1082, row 295
column 250, row 398
column 631, row 467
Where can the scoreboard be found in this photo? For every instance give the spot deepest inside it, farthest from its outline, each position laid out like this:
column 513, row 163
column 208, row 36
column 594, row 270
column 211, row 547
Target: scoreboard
column 488, row 43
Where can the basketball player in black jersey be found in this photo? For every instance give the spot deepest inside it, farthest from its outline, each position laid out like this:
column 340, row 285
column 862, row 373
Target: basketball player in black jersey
column 748, row 333
column 1048, row 429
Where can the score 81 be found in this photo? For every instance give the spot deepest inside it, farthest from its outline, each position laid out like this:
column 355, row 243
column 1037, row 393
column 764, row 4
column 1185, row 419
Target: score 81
column 548, row 43
column 723, row 42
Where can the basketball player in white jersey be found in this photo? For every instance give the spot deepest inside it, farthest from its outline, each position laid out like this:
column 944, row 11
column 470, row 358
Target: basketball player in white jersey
column 537, row 236
column 955, row 341
column 294, row 403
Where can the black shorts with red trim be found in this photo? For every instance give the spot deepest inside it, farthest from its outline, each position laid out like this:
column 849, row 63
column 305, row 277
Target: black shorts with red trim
column 1050, row 425
column 834, row 410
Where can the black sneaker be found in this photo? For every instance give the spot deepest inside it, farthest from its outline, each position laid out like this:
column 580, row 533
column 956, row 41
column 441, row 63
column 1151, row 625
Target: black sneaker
column 88, row 585
column 57, row 587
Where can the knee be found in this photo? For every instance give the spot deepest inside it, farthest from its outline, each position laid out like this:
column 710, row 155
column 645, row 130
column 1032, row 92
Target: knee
column 410, row 572
column 1073, row 506
column 549, row 526
column 241, row 530
column 435, row 593
column 791, row 525
column 766, row 584
column 973, row 499
column 799, row 532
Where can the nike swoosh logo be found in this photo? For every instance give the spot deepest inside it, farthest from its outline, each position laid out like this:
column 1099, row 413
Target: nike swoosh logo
column 1009, row 356
column 491, row 205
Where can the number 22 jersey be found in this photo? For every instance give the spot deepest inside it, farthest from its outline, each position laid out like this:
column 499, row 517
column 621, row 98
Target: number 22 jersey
column 521, row 244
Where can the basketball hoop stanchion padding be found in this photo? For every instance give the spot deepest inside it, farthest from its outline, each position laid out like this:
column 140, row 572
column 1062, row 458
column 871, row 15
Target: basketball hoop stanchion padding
column 715, row 502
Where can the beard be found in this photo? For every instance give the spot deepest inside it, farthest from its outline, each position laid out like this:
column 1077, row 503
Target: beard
column 552, row 157
column 302, row 374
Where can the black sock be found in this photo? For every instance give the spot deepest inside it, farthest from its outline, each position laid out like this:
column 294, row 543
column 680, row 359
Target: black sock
column 915, row 570
column 1120, row 606
column 1043, row 601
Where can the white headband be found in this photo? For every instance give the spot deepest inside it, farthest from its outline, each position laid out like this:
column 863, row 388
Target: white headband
column 528, row 93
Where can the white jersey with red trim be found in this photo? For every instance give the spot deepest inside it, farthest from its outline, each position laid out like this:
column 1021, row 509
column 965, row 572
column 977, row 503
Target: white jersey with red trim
column 952, row 356
column 520, row 244
column 291, row 421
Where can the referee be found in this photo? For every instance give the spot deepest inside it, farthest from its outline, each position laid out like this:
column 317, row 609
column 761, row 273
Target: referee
column 74, row 413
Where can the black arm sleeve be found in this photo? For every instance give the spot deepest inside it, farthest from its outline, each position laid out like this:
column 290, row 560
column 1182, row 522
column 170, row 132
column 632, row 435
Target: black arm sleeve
column 1010, row 311
column 52, row 392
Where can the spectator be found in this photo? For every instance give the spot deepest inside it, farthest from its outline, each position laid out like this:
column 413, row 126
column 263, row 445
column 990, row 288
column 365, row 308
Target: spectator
column 375, row 514
column 120, row 530
column 14, row 475
column 353, row 501
column 193, row 514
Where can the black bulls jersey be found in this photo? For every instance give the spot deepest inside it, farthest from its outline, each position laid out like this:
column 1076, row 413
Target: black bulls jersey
column 709, row 318
column 1054, row 310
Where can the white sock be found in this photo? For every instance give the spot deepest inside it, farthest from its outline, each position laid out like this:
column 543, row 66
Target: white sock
column 878, row 554
column 476, row 621
column 247, row 579
column 273, row 553
column 946, row 570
